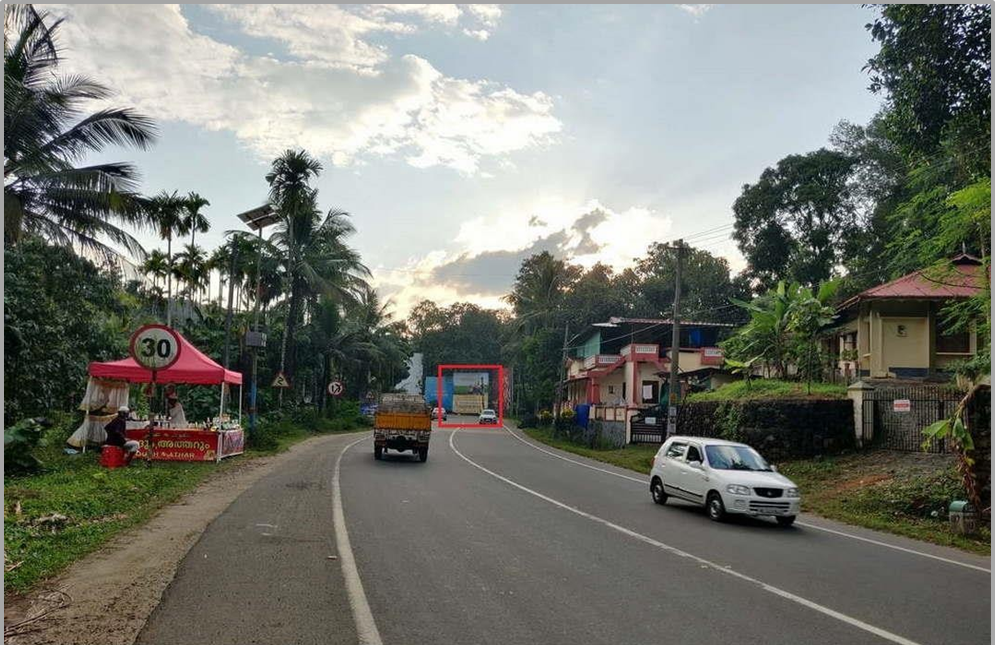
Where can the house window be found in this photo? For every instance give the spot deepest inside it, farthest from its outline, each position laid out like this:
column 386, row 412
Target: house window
column 951, row 342
column 611, row 389
column 623, row 389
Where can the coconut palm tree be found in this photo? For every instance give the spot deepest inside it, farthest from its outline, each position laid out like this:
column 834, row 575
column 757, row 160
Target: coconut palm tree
column 47, row 133
column 194, row 221
column 166, row 211
column 315, row 256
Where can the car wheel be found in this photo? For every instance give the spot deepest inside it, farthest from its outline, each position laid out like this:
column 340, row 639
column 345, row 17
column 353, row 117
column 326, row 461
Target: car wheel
column 656, row 490
column 377, row 453
column 423, row 454
column 716, row 509
column 785, row 520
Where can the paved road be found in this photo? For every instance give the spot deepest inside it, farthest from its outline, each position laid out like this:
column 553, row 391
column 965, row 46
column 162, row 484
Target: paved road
column 501, row 542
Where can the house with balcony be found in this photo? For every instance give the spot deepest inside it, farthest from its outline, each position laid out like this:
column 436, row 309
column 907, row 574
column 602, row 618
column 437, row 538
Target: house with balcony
column 621, row 367
column 896, row 330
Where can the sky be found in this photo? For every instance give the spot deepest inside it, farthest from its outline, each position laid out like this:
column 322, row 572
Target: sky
column 463, row 138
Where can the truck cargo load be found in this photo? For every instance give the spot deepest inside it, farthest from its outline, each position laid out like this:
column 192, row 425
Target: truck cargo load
column 402, row 422
column 469, row 403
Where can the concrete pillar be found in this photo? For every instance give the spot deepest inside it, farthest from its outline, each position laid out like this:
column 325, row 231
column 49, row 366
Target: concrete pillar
column 858, row 393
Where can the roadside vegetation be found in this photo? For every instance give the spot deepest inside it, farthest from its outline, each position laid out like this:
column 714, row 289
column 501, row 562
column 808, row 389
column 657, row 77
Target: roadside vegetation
column 902, row 493
column 770, row 389
column 72, row 506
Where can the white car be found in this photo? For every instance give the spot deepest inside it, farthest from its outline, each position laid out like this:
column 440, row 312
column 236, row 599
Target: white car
column 488, row 416
column 724, row 477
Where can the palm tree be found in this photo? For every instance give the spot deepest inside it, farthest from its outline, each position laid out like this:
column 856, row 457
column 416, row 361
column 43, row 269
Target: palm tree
column 315, row 256
column 46, row 133
column 191, row 268
column 195, row 221
column 156, row 265
column 166, row 211
column 539, row 289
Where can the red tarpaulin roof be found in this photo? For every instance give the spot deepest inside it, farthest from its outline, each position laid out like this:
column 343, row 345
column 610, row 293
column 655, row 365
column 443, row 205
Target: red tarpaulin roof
column 193, row 367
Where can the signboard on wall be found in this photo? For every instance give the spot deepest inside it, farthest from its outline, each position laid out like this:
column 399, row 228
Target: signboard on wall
column 471, row 382
column 901, row 405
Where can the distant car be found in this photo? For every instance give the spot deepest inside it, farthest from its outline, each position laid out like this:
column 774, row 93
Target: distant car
column 723, row 476
column 488, row 416
column 439, row 414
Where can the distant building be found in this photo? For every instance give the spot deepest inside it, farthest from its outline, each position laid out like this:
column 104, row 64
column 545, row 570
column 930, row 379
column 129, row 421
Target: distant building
column 413, row 383
column 895, row 330
column 621, row 367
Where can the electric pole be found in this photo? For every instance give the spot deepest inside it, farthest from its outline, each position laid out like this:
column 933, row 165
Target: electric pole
column 561, row 373
column 675, row 344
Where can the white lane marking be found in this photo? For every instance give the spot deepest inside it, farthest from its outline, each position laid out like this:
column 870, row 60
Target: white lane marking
column 894, row 546
column 805, row 524
column 777, row 591
column 366, row 627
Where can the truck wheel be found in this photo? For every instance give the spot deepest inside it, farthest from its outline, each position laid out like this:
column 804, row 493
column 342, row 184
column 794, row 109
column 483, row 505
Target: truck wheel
column 423, row 454
column 377, row 453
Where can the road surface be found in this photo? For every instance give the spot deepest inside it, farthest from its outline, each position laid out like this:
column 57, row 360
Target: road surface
column 499, row 540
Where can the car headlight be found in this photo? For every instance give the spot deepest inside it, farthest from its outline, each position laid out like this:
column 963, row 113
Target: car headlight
column 736, row 489
column 792, row 492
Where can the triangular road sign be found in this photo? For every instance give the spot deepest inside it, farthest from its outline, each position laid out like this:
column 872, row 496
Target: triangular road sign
column 280, row 381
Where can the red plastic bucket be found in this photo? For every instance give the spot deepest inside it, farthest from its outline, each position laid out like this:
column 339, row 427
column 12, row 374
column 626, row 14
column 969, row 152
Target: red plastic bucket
column 112, row 457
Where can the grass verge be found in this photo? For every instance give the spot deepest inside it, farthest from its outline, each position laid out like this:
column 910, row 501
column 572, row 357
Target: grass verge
column 901, row 493
column 634, row 457
column 770, row 388
column 54, row 518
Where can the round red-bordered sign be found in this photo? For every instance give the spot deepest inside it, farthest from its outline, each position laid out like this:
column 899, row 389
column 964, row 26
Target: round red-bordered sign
column 336, row 388
column 155, row 347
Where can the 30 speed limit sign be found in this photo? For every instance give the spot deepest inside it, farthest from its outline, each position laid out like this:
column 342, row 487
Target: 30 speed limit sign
column 155, row 347
column 335, row 388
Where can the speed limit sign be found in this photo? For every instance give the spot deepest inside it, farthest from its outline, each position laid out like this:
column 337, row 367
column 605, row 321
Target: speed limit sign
column 335, row 388
column 155, row 347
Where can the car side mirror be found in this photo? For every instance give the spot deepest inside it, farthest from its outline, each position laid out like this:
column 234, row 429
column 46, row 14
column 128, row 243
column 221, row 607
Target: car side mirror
column 773, row 468
column 696, row 465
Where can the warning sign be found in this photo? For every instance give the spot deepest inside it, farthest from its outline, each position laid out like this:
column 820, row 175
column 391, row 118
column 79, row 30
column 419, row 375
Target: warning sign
column 280, row 381
column 901, row 405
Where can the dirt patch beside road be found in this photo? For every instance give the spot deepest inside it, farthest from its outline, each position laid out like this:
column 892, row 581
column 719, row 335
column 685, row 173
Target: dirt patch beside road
column 106, row 598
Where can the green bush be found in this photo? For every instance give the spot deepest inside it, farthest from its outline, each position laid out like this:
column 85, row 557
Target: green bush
column 21, row 441
column 545, row 418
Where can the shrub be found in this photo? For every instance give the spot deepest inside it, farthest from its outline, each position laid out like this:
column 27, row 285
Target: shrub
column 528, row 420
column 545, row 418
column 20, row 443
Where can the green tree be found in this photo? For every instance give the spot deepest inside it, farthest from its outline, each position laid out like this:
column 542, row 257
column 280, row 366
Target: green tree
column 195, row 221
column 706, row 284
column 935, row 67
column 794, row 222
column 47, row 133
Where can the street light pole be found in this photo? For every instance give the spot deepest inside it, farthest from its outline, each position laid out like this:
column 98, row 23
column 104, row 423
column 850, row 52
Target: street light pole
column 256, row 219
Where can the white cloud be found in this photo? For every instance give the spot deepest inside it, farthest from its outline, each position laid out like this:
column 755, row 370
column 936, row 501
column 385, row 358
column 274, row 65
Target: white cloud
column 339, row 96
column 489, row 250
column 479, row 34
column 696, row 10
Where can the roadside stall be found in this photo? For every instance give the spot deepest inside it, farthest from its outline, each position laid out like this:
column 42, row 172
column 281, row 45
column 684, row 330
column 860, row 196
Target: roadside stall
column 206, row 440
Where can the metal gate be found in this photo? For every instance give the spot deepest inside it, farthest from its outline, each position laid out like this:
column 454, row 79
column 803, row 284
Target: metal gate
column 894, row 418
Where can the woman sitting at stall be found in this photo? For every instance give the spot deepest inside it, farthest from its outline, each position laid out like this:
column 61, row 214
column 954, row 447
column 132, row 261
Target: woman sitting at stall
column 116, row 437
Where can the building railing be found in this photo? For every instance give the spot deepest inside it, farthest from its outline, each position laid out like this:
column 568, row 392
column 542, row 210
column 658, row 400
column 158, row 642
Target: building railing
column 598, row 360
column 641, row 349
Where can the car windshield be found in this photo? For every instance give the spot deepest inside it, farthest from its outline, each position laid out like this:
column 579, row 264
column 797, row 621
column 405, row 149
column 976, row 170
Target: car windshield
column 735, row 458
column 487, row 412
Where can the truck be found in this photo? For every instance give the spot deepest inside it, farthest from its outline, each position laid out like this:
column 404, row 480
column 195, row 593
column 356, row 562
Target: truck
column 469, row 403
column 402, row 422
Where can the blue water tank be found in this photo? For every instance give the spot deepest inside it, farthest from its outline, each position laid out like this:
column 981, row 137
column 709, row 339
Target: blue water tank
column 582, row 412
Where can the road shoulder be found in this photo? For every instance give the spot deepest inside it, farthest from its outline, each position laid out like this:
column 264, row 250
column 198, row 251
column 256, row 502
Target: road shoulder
column 107, row 596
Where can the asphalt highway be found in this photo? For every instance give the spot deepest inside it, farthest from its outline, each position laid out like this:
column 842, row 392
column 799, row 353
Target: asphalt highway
column 496, row 539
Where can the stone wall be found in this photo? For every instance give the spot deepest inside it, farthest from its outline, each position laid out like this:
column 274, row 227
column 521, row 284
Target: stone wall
column 778, row 428
column 602, row 434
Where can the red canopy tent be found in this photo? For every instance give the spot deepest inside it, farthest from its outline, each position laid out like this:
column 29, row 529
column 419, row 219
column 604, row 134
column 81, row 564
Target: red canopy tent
column 193, row 367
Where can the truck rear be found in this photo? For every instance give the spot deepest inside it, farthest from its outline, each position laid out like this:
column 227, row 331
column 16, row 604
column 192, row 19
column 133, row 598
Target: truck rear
column 402, row 422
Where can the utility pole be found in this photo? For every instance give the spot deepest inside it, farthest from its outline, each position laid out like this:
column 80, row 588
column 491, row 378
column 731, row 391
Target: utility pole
column 231, row 294
column 675, row 344
column 560, row 372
